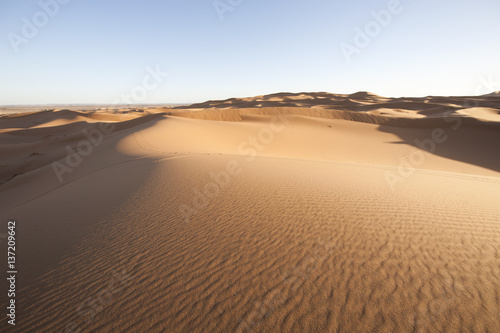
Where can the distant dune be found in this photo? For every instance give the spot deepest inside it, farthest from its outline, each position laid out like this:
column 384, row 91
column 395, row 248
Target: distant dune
column 307, row 212
column 361, row 106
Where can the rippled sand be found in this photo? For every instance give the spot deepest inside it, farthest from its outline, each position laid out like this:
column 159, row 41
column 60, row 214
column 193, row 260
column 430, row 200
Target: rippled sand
column 173, row 224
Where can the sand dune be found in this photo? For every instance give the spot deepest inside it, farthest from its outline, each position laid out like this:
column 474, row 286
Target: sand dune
column 313, row 212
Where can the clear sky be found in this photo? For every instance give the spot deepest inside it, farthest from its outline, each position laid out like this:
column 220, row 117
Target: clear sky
column 90, row 51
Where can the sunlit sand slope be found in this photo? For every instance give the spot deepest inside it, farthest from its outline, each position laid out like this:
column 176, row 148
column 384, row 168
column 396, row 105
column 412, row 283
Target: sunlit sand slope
column 268, row 222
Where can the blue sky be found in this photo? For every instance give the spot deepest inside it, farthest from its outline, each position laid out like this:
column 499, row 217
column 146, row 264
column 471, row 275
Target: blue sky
column 93, row 51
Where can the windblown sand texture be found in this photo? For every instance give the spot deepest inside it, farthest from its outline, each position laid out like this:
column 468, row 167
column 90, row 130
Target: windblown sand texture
column 332, row 213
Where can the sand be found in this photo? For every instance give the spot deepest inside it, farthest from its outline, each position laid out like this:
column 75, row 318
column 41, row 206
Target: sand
column 309, row 212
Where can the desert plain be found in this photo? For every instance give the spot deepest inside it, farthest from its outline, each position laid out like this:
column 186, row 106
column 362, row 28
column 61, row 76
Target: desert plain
column 291, row 212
